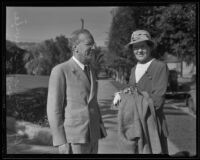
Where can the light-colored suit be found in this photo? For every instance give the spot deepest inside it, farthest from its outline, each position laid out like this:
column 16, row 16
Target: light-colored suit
column 72, row 106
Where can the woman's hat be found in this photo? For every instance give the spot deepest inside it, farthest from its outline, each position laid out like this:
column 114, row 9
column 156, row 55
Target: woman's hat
column 139, row 36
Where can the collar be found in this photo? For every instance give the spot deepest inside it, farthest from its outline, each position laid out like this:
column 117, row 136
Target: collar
column 143, row 64
column 78, row 62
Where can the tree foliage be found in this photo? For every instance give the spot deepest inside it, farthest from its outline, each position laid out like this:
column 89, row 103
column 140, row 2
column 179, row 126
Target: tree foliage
column 173, row 28
column 14, row 59
column 120, row 30
column 42, row 57
column 122, row 25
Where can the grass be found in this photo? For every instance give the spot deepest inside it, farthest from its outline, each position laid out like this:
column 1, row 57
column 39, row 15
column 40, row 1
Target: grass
column 26, row 98
column 26, row 118
column 20, row 83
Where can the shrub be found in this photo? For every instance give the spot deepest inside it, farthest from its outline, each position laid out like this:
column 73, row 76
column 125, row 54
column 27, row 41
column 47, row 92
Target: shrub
column 28, row 106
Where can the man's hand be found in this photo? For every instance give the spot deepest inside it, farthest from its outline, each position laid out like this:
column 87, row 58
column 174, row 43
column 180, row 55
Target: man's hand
column 117, row 99
column 64, row 149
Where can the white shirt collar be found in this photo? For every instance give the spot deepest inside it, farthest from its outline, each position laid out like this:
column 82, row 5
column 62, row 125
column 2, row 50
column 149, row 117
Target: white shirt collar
column 78, row 62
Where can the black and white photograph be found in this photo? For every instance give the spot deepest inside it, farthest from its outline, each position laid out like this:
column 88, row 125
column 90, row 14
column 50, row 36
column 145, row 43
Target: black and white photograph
column 115, row 79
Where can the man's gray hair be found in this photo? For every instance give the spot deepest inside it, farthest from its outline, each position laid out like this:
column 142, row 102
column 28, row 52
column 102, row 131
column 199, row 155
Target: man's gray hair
column 74, row 40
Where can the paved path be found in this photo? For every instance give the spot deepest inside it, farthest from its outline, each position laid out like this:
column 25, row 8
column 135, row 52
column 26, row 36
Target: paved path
column 181, row 125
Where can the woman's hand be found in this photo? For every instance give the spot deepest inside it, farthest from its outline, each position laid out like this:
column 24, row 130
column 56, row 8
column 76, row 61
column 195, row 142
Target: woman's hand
column 117, row 99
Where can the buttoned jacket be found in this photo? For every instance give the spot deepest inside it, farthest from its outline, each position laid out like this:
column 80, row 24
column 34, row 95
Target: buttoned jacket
column 72, row 107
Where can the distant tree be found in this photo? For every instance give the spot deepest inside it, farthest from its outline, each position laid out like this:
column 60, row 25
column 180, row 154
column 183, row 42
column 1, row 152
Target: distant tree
column 38, row 60
column 44, row 56
column 62, row 44
column 123, row 23
column 41, row 58
column 14, row 59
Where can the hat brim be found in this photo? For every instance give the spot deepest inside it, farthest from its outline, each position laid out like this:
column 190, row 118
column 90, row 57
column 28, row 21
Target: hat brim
column 137, row 41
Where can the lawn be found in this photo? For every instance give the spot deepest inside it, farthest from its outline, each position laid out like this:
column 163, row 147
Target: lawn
column 19, row 83
column 26, row 98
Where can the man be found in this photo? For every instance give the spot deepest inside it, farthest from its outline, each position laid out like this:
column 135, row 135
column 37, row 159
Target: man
column 72, row 107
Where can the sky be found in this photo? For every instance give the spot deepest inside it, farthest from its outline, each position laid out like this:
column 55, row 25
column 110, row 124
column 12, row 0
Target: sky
column 35, row 24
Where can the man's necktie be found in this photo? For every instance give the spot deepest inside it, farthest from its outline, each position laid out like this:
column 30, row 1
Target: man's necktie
column 87, row 71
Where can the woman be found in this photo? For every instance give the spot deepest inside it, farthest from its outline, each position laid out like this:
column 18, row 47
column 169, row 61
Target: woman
column 149, row 75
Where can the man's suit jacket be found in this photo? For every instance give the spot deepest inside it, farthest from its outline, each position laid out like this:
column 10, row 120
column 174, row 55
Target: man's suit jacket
column 154, row 82
column 72, row 107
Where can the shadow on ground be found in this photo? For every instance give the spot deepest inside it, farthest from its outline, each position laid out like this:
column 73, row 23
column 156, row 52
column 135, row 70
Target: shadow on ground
column 17, row 149
column 108, row 114
column 105, row 106
column 175, row 113
column 177, row 96
column 173, row 101
column 168, row 110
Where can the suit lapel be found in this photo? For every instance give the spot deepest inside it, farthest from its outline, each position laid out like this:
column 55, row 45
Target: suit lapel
column 82, row 76
column 76, row 69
